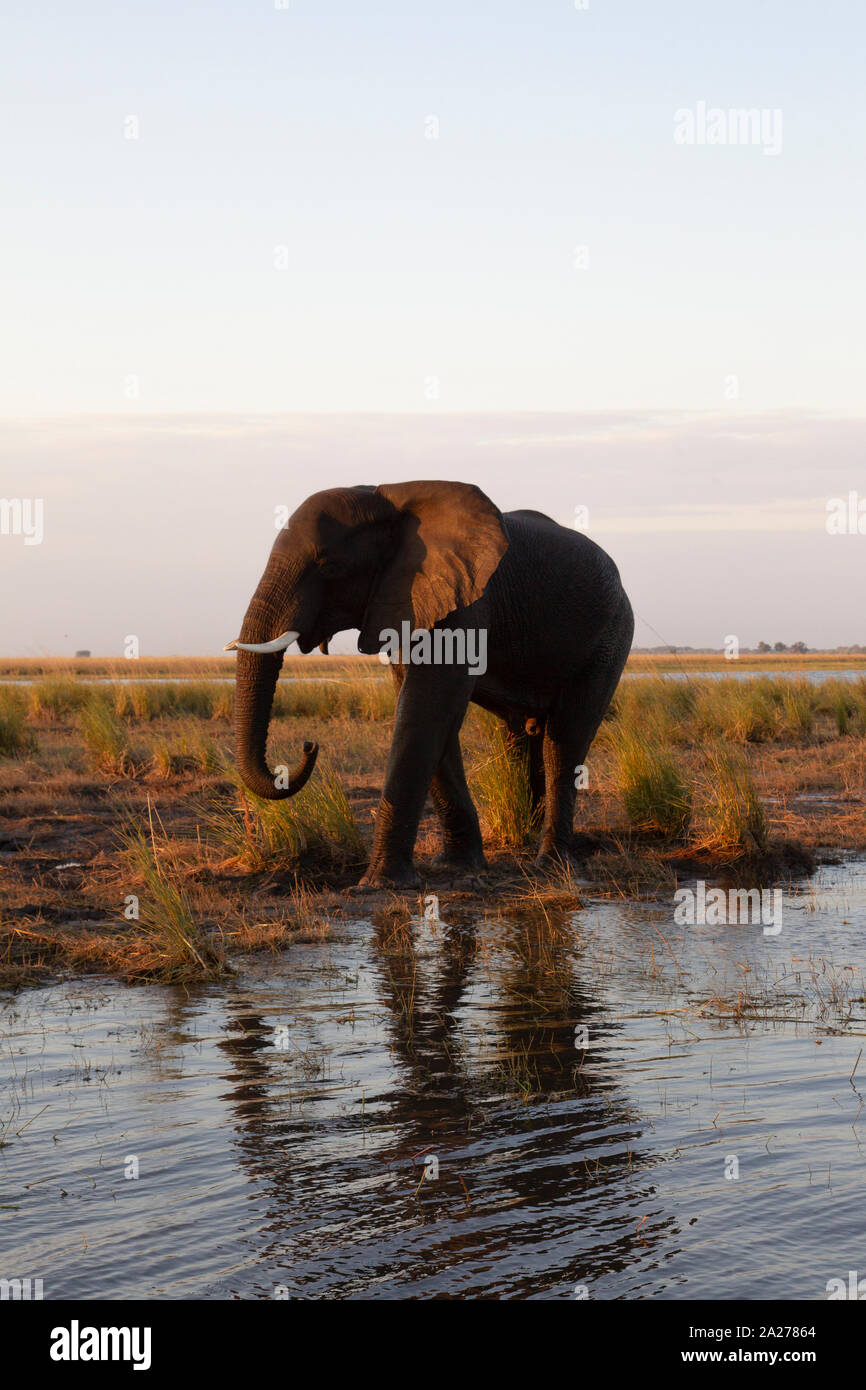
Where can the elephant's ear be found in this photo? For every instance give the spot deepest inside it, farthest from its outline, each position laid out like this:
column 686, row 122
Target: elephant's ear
column 447, row 539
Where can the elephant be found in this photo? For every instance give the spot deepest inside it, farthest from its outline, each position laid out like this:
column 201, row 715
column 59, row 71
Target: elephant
column 440, row 558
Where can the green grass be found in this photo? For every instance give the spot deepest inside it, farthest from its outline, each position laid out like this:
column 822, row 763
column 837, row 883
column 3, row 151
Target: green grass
column 799, row 705
column 56, row 696
column 165, row 913
column 841, row 705
column 187, row 748
column 318, row 821
column 256, row 835
column 655, row 796
column 734, row 818
column 139, row 701
column 326, row 818
column 845, row 703
column 761, row 709
column 15, row 739
column 364, row 697
column 789, row 710
column 199, row 699
column 668, row 706
column 105, row 738
column 739, row 711
column 500, row 784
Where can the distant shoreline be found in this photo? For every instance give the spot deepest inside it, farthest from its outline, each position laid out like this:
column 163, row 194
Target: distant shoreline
column 200, row 667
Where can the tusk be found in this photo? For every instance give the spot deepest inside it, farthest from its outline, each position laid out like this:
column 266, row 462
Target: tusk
column 279, row 644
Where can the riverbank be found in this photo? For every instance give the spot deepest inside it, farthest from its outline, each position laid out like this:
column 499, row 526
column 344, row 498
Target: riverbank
column 116, row 801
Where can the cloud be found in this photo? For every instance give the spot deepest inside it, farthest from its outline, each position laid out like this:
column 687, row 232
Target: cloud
column 160, row 525
column 777, row 516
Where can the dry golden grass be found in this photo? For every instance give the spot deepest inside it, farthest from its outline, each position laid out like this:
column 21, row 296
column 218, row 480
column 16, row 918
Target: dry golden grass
column 752, row 661
column 175, row 667
column 15, row 738
column 179, row 948
column 735, row 819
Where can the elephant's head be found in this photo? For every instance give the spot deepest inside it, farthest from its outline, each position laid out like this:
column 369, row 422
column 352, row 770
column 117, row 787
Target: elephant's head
column 358, row 557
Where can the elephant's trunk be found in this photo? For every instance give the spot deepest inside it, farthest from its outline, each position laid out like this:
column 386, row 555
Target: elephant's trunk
column 256, row 681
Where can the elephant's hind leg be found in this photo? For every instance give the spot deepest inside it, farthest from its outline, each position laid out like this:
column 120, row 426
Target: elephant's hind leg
column 523, row 745
column 570, row 730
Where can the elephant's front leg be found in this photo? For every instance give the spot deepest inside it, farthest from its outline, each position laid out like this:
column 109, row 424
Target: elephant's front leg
column 463, row 847
column 431, row 706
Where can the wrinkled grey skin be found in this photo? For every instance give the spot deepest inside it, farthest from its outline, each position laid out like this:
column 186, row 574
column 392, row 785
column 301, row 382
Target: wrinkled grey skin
column 559, row 628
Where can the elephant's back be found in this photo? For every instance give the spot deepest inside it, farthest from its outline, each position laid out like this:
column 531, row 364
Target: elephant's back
column 555, row 602
column 541, row 543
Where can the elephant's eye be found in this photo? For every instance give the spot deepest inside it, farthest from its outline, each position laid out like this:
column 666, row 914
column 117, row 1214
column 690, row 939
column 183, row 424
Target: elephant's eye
column 329, row 568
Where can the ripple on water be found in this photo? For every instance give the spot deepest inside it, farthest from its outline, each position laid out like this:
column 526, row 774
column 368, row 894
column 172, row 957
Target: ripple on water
column 709, row 1053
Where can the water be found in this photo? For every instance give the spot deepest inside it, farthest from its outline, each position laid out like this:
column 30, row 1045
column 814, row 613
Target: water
column 793, row 673
column 564, row 1162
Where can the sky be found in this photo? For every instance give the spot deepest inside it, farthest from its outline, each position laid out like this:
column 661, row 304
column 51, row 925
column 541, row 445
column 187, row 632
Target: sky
column 160, row 529
column 247, row 252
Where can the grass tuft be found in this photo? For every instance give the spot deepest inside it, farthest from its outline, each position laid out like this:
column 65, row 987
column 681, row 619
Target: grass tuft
column 105, row 738
column 264, row 834
column 654, row 794
column 735, row 820
column 500, row 782
column 15, row 739
column 186, row 749
column 180, row 949
column 56, row 696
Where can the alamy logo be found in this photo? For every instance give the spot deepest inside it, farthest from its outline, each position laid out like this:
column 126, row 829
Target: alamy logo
column 77, row 1343
column 439, row 647
column 837, row 1288
column 846, row 516
column 739, row 125
column 20, row 1288
column 22, row 516
column 703, row 907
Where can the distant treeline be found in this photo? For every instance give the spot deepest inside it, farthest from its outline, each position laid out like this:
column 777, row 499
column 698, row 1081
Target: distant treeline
column 762, row 648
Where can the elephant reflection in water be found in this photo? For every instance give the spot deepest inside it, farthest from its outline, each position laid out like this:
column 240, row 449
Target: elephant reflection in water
column 490, row 1077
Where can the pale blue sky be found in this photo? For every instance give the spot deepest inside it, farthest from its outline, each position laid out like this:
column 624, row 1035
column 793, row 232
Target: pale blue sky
column 411, row 258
